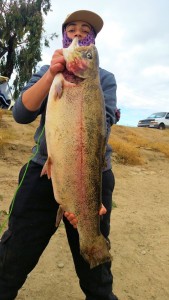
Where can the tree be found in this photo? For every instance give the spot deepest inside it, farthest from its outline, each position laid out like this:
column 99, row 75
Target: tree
column 21, row 38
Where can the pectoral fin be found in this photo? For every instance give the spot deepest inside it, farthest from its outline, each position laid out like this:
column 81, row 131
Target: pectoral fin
column 59, row 215
column 59, row 84
column 47, row 168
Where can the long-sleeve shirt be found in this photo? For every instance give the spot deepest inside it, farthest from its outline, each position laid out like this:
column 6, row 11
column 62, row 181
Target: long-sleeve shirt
column 24, row 116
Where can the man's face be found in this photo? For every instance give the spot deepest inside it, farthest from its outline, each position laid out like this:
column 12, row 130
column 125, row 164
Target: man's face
column 78, row 29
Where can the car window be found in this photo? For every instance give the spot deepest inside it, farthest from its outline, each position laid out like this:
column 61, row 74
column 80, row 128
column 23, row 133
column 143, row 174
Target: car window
column 157, row 115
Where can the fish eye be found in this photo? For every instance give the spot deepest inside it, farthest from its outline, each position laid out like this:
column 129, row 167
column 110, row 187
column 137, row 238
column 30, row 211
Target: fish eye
column 89, row 55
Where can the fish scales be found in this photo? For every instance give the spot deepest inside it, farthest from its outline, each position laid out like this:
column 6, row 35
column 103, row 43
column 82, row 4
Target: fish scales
column 75, row 134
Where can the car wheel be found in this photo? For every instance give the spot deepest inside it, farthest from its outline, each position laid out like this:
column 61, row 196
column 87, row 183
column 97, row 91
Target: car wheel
column 161, row 126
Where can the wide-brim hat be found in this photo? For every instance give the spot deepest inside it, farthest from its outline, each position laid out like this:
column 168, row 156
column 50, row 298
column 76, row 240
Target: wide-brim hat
column 87, row 16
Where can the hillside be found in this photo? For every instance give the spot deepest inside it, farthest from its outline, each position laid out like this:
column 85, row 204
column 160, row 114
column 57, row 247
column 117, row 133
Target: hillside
column 139, row 222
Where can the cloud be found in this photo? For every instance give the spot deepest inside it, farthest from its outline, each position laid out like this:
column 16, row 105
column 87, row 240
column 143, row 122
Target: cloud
column 133, row 44
column 158, row 71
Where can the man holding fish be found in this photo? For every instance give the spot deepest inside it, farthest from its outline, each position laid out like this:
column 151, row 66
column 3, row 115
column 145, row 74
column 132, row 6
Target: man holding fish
column 77, row 101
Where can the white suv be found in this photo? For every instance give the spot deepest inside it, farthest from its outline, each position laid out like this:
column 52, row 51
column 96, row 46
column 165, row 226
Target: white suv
column 158, row 120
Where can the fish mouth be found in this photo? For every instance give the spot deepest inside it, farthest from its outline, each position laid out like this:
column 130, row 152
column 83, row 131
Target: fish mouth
column 75, row 63
column 77, row 66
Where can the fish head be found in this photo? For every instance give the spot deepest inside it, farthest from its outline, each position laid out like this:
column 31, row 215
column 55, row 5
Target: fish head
column 82, row 61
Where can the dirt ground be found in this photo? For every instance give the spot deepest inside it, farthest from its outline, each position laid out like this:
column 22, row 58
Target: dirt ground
column 139, row 229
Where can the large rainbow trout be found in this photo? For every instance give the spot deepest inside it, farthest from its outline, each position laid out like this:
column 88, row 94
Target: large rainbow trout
column 76, row 136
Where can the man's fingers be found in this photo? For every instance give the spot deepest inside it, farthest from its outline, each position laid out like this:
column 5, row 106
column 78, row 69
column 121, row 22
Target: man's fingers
column 102, row 210
column 71, row 218
column 58, row 62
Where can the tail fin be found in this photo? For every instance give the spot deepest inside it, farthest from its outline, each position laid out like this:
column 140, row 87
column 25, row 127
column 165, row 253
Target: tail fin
column 97, row 252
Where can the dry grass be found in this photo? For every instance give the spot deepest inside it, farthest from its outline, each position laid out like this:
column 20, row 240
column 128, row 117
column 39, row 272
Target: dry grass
column 161, row 147
column 1, row 113
column 128, row 141
column 126, row 152
column 6, row 132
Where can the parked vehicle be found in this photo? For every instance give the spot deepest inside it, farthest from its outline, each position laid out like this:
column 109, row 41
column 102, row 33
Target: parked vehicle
column 6, row 99
column 159, row 120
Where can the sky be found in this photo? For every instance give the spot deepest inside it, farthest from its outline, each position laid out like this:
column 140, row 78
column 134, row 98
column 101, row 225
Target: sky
column 133, row 45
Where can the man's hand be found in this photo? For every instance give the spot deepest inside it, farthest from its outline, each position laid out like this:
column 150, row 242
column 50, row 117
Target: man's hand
column 73, row 220
column 57, row 63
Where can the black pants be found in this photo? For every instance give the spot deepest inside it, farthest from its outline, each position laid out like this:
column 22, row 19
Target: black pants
column 31, row 225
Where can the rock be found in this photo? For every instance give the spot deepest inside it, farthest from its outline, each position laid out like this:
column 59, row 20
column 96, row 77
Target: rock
column 60, row 265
